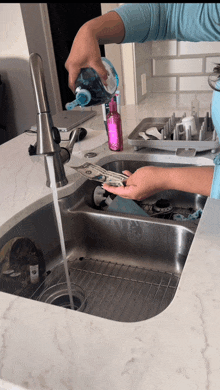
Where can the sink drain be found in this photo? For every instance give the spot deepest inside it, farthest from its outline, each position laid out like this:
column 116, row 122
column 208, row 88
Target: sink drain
column 58, row 295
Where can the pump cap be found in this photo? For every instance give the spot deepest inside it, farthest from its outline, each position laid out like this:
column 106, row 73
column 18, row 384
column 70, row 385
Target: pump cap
column 83, row 97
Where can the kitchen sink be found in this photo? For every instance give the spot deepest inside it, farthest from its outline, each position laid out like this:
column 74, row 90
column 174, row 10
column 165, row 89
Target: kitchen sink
column 125, row 267
column 170, row 204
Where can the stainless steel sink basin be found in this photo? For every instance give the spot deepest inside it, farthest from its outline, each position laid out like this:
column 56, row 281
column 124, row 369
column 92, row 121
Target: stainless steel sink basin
column 177, row 202
column 128, row 266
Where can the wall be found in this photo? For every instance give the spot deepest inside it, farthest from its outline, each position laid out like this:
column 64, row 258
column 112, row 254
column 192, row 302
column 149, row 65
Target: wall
column 143, row 68
column 183, row 66
column 125, row 61
column 176, row 66
column 18, row 109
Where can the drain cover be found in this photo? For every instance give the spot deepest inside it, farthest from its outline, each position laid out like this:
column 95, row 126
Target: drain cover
column 58, row 295
column 64, row 301
column 162, row 205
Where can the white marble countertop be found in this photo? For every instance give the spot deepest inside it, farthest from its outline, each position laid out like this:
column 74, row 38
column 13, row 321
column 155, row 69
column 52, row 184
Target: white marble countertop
column 47, row 347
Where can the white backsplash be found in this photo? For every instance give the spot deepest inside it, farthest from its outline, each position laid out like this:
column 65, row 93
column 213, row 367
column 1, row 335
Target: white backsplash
column 172, row 66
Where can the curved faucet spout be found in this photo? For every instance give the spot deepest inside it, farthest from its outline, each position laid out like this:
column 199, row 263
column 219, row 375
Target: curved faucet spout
column 37, row 74
column 48, row 137
column 45, row 141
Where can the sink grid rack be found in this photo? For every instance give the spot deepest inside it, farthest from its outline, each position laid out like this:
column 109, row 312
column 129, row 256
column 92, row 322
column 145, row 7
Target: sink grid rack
column 205, row 139
column 116, row 291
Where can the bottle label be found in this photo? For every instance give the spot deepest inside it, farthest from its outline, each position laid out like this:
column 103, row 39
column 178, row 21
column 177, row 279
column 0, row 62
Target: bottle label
column 34, row 273
column 115, row 139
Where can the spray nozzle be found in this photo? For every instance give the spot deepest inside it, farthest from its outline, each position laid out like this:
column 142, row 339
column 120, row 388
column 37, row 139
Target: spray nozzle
column 83, row 97
column 71, row 105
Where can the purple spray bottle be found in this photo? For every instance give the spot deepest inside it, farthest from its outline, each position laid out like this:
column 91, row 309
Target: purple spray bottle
column 115, row 138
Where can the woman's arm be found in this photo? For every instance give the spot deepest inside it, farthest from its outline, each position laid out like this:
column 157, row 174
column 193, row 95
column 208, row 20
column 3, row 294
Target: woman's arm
column 143, row 21
column 149, row 180
column 85, row 51
column 139, row 23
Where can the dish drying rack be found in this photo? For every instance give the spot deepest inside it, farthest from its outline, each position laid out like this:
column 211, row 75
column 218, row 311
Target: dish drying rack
column 184, row 144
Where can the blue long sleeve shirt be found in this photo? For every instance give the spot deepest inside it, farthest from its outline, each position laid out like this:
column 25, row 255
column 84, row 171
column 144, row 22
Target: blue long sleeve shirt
column 193, row 22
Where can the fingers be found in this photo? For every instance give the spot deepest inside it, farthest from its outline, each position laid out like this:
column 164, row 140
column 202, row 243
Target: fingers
column 100, row 69
column 74, row 71
column 127, row 173
column 124, row 192
column 73, row 74
column 127, row 191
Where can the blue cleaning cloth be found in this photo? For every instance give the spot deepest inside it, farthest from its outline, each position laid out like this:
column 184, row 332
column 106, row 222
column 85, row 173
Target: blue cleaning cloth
column 191, row 217
column 126, row 206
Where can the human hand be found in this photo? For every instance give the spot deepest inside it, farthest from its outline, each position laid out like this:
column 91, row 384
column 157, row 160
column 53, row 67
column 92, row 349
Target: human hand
column 144, row 182
column 149, row 180
column 84, row 53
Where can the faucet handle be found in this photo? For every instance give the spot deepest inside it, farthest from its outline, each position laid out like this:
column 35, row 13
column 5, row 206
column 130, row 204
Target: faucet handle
column 81, row 134
column 76, row 135
column 73, row 138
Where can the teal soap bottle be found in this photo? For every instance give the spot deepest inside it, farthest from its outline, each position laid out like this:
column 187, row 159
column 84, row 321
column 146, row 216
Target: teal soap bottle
column 90, row 90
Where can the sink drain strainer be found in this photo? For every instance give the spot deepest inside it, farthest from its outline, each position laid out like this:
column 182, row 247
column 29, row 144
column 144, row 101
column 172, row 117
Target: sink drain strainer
column 58, row 295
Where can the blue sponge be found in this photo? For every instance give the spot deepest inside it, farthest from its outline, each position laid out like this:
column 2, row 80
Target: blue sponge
column 126, row 206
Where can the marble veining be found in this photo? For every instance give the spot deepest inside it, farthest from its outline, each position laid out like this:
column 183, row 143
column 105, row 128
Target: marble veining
column 206, row 344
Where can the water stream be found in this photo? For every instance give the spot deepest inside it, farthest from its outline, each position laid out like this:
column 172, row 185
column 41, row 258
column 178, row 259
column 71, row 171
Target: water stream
column 59, row 225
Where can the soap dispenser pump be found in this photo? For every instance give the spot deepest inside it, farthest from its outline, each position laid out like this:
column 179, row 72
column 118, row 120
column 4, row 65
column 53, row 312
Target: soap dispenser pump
column 83, row 97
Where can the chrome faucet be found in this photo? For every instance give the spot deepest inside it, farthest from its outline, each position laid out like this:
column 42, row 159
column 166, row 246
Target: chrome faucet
column 48, row 136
